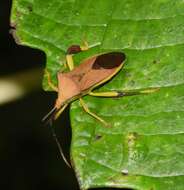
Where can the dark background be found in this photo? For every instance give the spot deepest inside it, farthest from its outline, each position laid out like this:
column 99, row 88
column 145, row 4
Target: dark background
column 29, row 158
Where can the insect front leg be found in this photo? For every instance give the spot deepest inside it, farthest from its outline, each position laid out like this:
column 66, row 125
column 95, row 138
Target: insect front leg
column 50, row 83
column 74, row 49
column 86, row 109
column 123, row 93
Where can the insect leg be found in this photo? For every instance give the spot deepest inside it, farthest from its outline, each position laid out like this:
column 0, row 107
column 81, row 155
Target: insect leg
column 123, row 93
column 86, row 109
column 84, row 46
column 74, row 49
column 50, row 83
column 60, row 111
column 69, row 62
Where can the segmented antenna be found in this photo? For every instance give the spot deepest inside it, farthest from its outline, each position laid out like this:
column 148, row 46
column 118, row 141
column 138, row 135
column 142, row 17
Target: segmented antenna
column 59, row 147
column 50, row 116
column 48, row 119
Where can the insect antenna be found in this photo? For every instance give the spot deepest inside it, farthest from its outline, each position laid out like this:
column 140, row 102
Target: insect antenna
column 47, row 119
column 59, row 147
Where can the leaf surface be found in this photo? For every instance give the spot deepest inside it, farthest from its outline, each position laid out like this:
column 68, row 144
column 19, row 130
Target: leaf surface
column 144, row 148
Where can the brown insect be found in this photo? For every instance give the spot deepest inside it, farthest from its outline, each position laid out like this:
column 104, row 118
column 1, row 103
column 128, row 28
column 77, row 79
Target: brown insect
column 83, row 79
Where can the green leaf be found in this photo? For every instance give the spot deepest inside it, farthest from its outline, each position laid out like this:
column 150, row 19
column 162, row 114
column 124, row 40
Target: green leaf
column 144, row 148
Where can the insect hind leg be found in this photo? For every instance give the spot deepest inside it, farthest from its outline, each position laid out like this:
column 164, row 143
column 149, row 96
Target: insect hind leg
column 116, row 94
column 74, row 49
